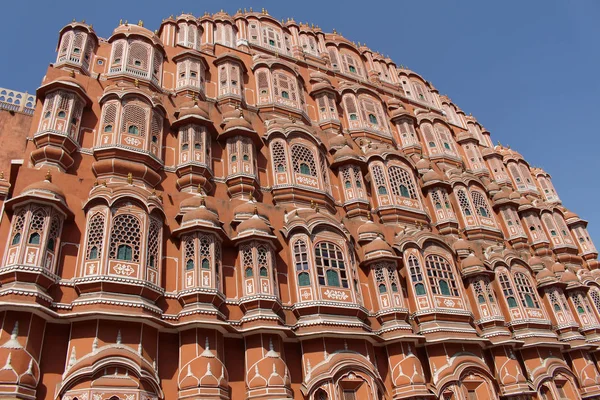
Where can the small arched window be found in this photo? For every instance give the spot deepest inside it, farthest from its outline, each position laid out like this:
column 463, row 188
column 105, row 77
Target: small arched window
column 304, row 169
column 108, row 128
column 249, row 272
column 404, row 191
column 441, row 276
column 189, row 265
column 205, row 263
column 331, row 267
column 34, row 238
column 62, row 114
column 483, row 212
column 93, row 253
column 303, row 279
column 285, row 94
column 419, row 289
column 124, row 252
column 16, row 239
column 51, row 244
column 353, row 117
column 382, row 190
column 372, row 119
column 133, row 130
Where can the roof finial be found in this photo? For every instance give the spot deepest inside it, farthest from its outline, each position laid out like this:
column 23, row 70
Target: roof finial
column 250, row 197
column 72, row 74
column 141, row 23
column 255, row 210
column 121, row 22
column 130, row 178
column 1, row 174
column 202, row 201
column 199, row 189
column 312, row 204
column 49, row 176
column 136, row 83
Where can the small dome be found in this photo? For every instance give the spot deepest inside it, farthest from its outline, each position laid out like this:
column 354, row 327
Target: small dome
column 44, row 186
column 502, row 194
column 193, row 110
column 423, row 164
column 237, row 123
column 514, row 196
column 369, row 229
column 431, row 176
column 338, row 141
column 535, row 261
column 201, row 214
column 471, row 261
column 568, row 277
column 254, row 224
column 205, row 371
column 377, row 245
column 570, row 214
column 250, row 208
column 133, row 29
column 461, row 244
column 492, row 186
column 346, row 152
column 544, row 274
column 558, row 268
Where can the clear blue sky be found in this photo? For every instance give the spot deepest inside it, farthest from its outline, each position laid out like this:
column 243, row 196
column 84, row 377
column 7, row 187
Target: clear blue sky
column 528, row 70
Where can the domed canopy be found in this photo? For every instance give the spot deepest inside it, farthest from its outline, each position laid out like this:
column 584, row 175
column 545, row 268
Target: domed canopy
column 461, row 245
column 346, row 155
column 432, row 176
column 199, row 218
column 249, row 208
column 369, row 231
column 569, row 278
column 201, row 214
column 43, row 191
column 45, row 186
column 193, row 111
column 204, row 371
column 136, row 30
column 256, row 226
column 376, row 249
column 423, row 164
column 337, row 141
column 544, row 275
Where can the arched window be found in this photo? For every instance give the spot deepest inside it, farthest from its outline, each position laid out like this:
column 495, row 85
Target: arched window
column 303, row 160
column 507, row 289
column 331, row 268
column 36, row 226
column 134, row 130
column 303, row 279
column 441, row 277
column 382, row 190
column 416, row 276
column 124, row 252
column 189, row 265
column 278, row 156
column 525, row 290
column 401, row 182
column 125, row 238
column 95, row 236
column 480, row 204
column 34, row 238
column 372, row 119
column 93, row 255
column 464, row 203
column 16, row 239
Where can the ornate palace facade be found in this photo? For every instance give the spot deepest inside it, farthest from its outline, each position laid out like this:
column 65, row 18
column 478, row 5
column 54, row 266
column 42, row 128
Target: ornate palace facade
column 236, row 207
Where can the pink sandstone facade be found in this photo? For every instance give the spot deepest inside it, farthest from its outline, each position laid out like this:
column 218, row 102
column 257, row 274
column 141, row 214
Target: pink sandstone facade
column 236, row 207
